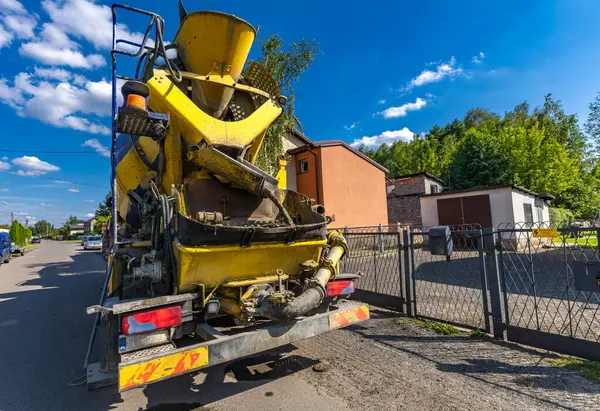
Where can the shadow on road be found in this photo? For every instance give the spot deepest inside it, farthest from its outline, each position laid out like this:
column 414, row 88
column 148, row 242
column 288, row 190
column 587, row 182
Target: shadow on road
column 44, row 331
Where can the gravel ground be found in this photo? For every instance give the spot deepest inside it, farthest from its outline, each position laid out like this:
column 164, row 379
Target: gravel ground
column 392, row 363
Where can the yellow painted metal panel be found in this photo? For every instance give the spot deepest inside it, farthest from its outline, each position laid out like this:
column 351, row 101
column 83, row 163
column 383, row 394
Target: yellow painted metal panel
column 544, row 232
column 145, row 372
column 196, row 125
column 348, row 317
column 213, row 265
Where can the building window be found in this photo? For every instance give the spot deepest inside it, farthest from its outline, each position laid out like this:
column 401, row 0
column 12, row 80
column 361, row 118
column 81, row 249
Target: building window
column 434, row 189
column 304, row 166
column 528, row 213
column 540, row 213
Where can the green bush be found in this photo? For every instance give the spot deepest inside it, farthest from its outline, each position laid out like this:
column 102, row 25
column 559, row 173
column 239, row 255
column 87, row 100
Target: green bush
column 560, row 217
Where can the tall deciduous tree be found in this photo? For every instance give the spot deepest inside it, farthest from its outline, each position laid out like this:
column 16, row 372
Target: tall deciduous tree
column 286, row 66
column 592, row 125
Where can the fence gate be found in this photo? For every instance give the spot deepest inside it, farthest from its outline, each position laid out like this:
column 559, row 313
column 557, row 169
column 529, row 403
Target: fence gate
column 376, row 253
column 452, row 289
column 551, row 288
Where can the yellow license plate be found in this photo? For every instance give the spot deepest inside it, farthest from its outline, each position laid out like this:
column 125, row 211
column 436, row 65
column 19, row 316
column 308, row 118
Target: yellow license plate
column 170, row 365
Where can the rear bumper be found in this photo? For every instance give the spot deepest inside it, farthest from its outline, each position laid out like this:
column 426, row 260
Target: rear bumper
column 136, row 371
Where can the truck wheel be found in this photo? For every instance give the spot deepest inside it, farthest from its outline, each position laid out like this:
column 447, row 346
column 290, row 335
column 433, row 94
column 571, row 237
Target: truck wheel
column 8, row 259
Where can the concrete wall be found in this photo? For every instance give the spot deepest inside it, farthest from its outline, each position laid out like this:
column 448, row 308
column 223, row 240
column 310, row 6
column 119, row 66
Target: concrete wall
column 431, row 183
column 501, row 206
column 519, row 199
column 353, row 189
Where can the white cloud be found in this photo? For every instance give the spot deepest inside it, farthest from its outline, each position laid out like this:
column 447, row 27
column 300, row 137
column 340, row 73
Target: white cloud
column 4, row 190
column 90, row 215
column 28, row 173
column 4, row 158
column 5, row 37
column 443, row 70
column 478, row 58
column 54, row 47
column 88, row 201
column 96, row 145
column 73, row 190
column 87, row 20
column 47, row 53
column 3, row 203
column 58, row 104
column 34, row 164
column 45, row 205
column 12, row 6
column 351, row 126
column 381, row 102
column 53, row 74
column 402, row 111
column 4, row 166
column 21, row 25
column 387, row 137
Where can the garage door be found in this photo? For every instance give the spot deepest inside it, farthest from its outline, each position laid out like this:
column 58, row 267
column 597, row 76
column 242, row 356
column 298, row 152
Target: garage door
column 465, row 210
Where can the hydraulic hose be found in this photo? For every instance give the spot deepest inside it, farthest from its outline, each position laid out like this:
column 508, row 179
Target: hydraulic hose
column 314, row 292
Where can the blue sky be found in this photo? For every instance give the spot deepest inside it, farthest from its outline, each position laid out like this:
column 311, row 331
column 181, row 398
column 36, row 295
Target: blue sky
column 389, row 69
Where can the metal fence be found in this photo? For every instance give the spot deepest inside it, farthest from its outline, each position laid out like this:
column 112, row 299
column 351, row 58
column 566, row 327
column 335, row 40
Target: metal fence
column 537, row 289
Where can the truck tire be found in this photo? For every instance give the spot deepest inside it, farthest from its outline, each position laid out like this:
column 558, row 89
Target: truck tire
column 8, row 259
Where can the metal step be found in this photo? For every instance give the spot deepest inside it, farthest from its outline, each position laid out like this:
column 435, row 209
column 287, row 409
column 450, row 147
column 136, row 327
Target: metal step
column 139, row 122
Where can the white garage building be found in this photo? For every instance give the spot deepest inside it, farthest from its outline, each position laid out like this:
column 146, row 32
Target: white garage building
column 489, row 207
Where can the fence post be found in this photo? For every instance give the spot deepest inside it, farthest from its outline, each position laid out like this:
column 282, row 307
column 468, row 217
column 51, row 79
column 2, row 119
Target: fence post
column 408, row 273
column 381, row 247
column 495, row 285
column 401, row 272
column 484, row 282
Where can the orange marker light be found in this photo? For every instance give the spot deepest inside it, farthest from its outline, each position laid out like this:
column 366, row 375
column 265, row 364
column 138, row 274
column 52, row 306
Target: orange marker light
column 135, row 100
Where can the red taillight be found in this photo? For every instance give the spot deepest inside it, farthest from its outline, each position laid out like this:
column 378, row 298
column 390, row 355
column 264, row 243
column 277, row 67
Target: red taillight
column 340, row 287
column 150, row 320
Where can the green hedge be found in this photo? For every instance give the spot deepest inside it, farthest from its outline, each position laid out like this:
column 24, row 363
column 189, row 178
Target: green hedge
column 561, row 217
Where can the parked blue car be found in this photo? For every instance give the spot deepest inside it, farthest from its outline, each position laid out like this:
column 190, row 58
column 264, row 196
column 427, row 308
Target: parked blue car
column 5, row 244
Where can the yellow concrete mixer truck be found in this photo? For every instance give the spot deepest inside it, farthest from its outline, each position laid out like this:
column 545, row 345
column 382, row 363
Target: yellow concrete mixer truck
column 199, row 235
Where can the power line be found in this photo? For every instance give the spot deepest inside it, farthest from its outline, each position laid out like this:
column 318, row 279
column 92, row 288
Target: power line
column 47, row 152
column 56, row 179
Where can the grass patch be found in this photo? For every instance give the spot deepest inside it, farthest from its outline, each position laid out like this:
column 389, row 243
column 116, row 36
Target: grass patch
column 478, row 334
column 584, row 242
column 439, row 328
column 587, row 368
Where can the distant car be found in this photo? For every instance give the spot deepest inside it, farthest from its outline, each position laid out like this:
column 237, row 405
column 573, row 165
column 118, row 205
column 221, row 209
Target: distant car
column 17, row 249
column 35, row 240
column 83, row 239
column 5, row 244
column 93, row 242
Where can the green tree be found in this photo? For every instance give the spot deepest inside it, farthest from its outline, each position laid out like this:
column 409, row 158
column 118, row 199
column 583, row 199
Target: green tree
column 286, row 66
column 42, row 228
column 592, row 125
column 16, row 233
column 480, row 161
column 104, row 208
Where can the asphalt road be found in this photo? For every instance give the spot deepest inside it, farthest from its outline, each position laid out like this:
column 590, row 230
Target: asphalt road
column 44, row 331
